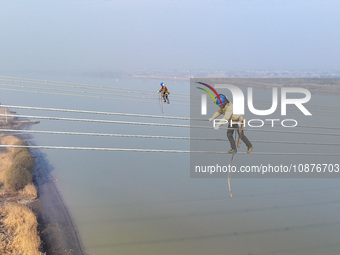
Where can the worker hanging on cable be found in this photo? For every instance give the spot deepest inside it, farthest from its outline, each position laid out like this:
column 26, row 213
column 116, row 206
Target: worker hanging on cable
column 164, row 93
column 234, row 121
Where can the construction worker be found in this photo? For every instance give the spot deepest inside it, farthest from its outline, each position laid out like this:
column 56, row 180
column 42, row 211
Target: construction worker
column 234, row 122
column 165, row 93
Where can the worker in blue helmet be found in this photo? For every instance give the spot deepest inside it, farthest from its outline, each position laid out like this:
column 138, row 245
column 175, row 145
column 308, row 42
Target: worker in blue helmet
column 234, row 121
column 164, row 93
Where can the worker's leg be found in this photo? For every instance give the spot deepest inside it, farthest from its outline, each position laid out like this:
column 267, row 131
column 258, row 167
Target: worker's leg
column 245, row 139
column 230, row 133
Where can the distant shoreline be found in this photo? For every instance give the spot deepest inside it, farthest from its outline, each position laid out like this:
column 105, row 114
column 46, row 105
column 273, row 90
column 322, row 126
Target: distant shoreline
column 315, row 85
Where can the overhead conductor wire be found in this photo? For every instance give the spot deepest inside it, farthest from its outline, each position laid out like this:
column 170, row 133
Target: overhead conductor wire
column 135, row 115
column 158, row 137
column 156, row 124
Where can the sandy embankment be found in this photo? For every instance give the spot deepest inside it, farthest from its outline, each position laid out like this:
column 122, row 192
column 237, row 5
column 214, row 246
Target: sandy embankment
column 55, row 225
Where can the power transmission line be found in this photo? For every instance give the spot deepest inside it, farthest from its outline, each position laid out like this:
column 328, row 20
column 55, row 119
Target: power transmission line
column 167, row 151
column 136, row 115
column 86, row 96
column 158, row 124
column 109, row 88
column 79, row 85
column 100, row 112
column 158, row 137
column 134, row 95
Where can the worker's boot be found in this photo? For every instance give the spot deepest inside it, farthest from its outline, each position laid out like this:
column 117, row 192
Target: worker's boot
column 232, row 151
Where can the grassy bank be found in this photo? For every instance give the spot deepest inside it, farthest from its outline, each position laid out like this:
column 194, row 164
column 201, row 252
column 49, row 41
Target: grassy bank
column 18, row 224
column 18, row 232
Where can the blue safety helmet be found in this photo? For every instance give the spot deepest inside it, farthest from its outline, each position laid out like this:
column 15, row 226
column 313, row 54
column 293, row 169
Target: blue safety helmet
column 223, row 99
column 162, row 84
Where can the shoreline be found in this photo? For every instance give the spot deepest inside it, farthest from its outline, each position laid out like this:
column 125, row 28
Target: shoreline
column 56, row 228
column 57, row 232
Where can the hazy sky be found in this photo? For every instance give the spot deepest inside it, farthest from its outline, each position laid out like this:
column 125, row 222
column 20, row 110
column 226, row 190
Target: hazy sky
column 164, row 34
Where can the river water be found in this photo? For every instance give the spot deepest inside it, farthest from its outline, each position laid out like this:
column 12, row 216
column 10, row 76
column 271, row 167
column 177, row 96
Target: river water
column 147, row 203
